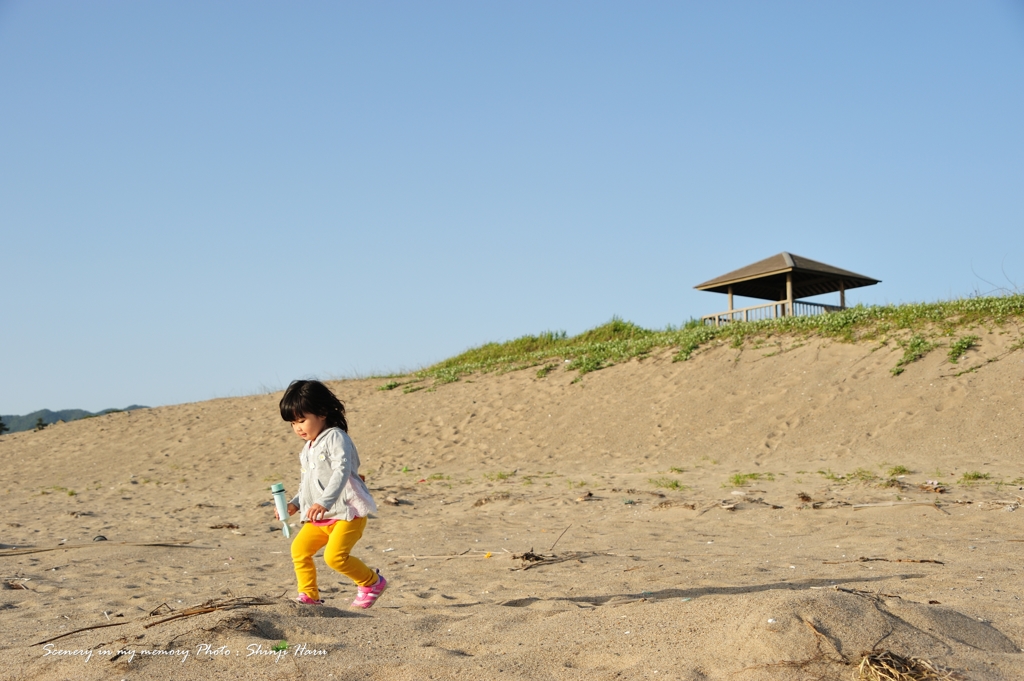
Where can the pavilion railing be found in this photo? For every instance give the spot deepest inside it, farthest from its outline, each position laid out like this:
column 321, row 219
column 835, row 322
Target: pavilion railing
column 801, row 308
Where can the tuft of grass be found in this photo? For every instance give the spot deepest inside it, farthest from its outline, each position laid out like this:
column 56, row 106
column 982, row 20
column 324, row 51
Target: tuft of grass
column 283, row 645
column 668, row 483
column 744, row 479
column 859, row 475
column 54, row 488
column 676, row 469
column 586, row 364
column 438, row 476
column 499, row 475
column 834, row 477
column 390, row 385
column 546, row 369
column 913, row 350
column 974, row 476
column 961, row 345
column 897, row 470
column 862, row 475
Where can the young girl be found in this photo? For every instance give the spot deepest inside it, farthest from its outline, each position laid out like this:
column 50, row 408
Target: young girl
column 333, row 500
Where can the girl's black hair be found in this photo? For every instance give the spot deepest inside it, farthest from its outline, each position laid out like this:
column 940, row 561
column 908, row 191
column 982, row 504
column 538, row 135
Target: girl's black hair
column 315, row 398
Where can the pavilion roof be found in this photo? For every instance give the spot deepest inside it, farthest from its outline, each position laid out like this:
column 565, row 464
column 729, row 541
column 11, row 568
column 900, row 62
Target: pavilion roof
column 766, row 279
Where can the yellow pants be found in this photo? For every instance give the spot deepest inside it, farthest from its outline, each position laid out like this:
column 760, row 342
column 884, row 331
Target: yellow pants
column 339, row 538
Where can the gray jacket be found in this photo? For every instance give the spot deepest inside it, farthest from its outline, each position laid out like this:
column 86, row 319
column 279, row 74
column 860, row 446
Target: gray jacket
column 330, row 477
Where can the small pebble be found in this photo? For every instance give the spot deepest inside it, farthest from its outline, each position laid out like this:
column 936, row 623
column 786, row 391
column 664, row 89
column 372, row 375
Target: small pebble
column 99, row 537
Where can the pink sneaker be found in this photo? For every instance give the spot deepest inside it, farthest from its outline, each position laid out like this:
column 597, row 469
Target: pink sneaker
column 366, row 596
column 306, row 600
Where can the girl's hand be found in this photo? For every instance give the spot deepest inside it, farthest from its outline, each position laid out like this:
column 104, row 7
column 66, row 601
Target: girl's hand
column 292, row 510
column 316, row 512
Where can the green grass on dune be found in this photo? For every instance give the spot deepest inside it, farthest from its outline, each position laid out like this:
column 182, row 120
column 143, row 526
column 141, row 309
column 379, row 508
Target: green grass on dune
column 917, row 327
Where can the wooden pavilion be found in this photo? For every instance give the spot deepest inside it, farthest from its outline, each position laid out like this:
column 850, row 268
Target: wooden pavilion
column 782, row 279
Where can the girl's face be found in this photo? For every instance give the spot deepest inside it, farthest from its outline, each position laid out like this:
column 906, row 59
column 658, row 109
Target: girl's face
column 308, row 426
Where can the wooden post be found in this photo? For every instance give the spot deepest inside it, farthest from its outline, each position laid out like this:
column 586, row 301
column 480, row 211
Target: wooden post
column 842, row 294
column 730, row 299
column 789, row 294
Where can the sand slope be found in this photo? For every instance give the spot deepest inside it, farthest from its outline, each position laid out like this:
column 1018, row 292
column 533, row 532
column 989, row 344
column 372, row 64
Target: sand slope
column 667, row 570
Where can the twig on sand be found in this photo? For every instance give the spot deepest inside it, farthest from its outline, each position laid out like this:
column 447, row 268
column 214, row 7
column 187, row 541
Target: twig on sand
column 213, row 606
column 823, row 637
column 559, row 537
column 22, row 552
column 450, row 556
column 875, row 595
column 708, row 508
column 95, row 626
column 208, row 606
column 532, row 560
column 884, row 504
column 819, row 657
column 862, row 559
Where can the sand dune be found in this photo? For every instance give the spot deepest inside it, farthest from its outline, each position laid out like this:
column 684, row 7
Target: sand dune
column 667, row 569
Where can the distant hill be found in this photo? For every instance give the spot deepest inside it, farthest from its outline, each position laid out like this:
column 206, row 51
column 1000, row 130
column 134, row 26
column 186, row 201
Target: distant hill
column 28, row 421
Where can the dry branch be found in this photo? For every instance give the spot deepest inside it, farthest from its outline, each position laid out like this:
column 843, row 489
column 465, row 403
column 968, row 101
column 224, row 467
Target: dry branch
column 559, row 537
column 95, row 626
column 822, row 637
column 884, row 504
column 213, row 606
column 208, row 606
column 875, row 595
column 862, row 559
column 532, row 560
column 22, row 552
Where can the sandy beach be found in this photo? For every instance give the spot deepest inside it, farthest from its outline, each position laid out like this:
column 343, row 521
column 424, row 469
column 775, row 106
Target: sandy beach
column 752, row 513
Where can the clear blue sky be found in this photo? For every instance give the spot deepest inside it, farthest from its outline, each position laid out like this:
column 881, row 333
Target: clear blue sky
column 203, row 199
